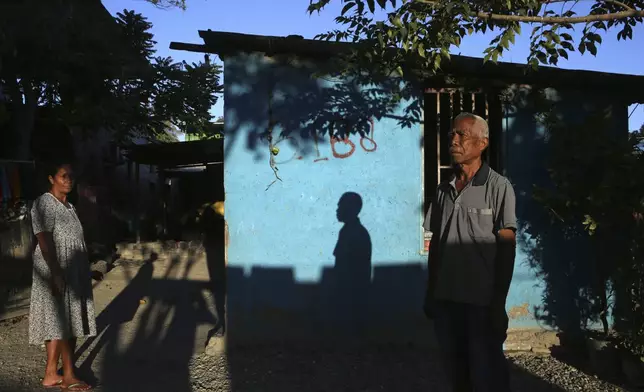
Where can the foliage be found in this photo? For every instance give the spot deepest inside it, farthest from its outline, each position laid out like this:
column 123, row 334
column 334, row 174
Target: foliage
column 430, row 28
column 595, row 185
column 632, row 328
column 96, row 71
column 181, row 4
column 38, row 67
column 592, row 170
column 165, row 96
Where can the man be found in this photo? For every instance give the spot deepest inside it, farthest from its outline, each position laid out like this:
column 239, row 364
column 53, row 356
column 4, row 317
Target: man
column 471, row 262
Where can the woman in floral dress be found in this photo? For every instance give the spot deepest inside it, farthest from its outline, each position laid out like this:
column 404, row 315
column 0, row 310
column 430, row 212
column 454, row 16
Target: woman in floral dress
column 62, row 307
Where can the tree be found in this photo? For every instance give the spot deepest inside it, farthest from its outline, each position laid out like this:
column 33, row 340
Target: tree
column 40, row 68
column 169, row 96
column 430, row 28
column 181, row 4
column 95, row 72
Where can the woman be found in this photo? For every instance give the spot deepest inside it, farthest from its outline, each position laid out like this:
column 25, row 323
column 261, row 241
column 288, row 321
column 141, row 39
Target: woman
column 62, row 306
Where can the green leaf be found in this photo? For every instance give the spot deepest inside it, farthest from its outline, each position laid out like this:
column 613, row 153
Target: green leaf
column 437, row 62
column 347, row 7
column 404, row 34
column 568, row 46
column 534, row 63
column 505, row 42
column 566, row 36
column 372, row 6
column 382, row 3
column 421, row 50
column 591, row 48
column 563, row 53
column 445, row 53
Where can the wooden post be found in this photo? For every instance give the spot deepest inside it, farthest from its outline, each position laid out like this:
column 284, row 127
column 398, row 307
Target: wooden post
column 129, row 193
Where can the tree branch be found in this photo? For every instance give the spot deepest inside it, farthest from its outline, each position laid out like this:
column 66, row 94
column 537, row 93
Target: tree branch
column 561, row 20
column 628, row 13
column 616, row 2
column 619, row 3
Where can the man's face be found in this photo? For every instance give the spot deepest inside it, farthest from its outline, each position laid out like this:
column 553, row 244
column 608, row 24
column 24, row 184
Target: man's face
column 466, row 145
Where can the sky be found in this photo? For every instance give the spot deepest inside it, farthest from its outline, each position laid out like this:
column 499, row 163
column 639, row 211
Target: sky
column 286, row 17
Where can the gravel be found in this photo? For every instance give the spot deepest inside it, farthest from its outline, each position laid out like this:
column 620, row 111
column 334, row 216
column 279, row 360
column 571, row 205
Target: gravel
column 284, row 369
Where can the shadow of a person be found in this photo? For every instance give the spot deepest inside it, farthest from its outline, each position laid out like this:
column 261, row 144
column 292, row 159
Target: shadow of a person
column 213, row 227
column 111, row 320
column 352, row 269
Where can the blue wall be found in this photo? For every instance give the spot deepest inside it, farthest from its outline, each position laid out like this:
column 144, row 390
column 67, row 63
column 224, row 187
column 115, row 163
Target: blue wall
column 281, row 254
column 282, row 279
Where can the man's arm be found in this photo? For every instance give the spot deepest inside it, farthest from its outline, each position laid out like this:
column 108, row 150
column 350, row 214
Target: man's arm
column 504, row 266
column 505, row 226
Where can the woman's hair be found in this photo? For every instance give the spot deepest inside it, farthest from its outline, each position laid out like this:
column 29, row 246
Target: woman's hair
column 53, row 168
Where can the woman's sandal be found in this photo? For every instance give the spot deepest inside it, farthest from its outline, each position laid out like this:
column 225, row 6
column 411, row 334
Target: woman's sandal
column 57, row 384
column 77, row 386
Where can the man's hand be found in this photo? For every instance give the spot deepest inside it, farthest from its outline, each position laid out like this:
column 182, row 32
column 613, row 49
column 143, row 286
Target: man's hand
column 498, row 320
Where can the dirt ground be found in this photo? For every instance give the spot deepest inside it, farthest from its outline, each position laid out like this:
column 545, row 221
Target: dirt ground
column 153, row 323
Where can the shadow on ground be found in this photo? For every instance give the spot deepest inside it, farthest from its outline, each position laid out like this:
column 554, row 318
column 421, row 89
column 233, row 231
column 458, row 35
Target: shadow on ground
column 146, row 335
column 147, row 340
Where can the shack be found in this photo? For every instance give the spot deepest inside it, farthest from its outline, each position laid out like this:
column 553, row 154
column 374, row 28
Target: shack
column 305, row 146
column 188, row 175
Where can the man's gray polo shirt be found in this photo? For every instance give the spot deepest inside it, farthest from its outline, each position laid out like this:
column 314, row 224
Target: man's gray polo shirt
column 466, row 224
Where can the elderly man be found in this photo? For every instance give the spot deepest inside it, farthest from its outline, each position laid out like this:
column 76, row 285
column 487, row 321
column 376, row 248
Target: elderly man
column 471, row 261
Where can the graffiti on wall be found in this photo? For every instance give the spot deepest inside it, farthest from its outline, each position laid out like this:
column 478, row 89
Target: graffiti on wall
column 340, row 143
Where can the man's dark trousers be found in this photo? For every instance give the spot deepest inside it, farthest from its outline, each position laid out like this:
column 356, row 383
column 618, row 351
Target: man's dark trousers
column 471, row 341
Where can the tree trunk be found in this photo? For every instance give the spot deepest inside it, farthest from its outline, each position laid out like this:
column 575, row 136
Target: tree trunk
column 24, row 103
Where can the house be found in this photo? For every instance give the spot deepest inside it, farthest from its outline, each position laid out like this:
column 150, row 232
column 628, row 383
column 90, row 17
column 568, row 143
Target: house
column 189, row 175
column 288, row 181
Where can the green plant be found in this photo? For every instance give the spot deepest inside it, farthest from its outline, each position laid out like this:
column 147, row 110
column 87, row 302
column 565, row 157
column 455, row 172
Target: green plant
column 631, row 323
column 594, row 190
column 97, row 71
column 431, row 28
column 597, row 187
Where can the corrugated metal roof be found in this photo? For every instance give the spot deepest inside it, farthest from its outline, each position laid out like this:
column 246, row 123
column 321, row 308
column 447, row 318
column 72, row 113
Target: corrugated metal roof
column 177, row 154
